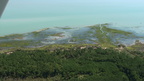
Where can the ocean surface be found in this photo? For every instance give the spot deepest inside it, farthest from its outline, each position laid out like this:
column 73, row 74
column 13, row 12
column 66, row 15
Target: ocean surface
column 21, row 16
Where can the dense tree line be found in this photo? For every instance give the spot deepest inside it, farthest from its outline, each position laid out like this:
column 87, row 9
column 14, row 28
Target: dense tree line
column 73, row 65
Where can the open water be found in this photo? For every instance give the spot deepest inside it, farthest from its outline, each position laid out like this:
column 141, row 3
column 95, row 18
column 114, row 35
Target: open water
column 21, row 16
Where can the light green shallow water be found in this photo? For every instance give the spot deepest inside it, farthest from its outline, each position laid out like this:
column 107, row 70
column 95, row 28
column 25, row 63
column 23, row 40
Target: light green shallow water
column 23, row 16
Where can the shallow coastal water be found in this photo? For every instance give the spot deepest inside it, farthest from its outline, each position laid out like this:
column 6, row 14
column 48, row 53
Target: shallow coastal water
column 26, row 16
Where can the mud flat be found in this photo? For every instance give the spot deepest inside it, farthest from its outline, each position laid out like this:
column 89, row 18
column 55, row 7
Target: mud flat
column 100, row 34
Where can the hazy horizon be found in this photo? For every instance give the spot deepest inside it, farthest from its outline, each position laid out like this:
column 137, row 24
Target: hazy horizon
column 25, row 16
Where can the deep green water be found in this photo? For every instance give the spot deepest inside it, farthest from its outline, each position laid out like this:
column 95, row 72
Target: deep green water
column 28, row 15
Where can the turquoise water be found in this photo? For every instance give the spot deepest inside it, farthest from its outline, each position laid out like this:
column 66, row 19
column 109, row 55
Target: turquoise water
column 23, row 16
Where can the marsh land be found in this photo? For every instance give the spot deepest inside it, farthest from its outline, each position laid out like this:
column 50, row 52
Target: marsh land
column 91, row 53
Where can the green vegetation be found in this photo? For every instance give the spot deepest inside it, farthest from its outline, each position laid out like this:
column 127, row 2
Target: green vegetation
column 89, row 64
column 116, row 31
column 18, row 43
column 57, row 34
column 102, row 37
column 41, row 30
column 37, row 33
column 100, row 34
column 13, row 36
column 66, row 28
column 72, row 62
column 106, row 35
column 138, row 46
